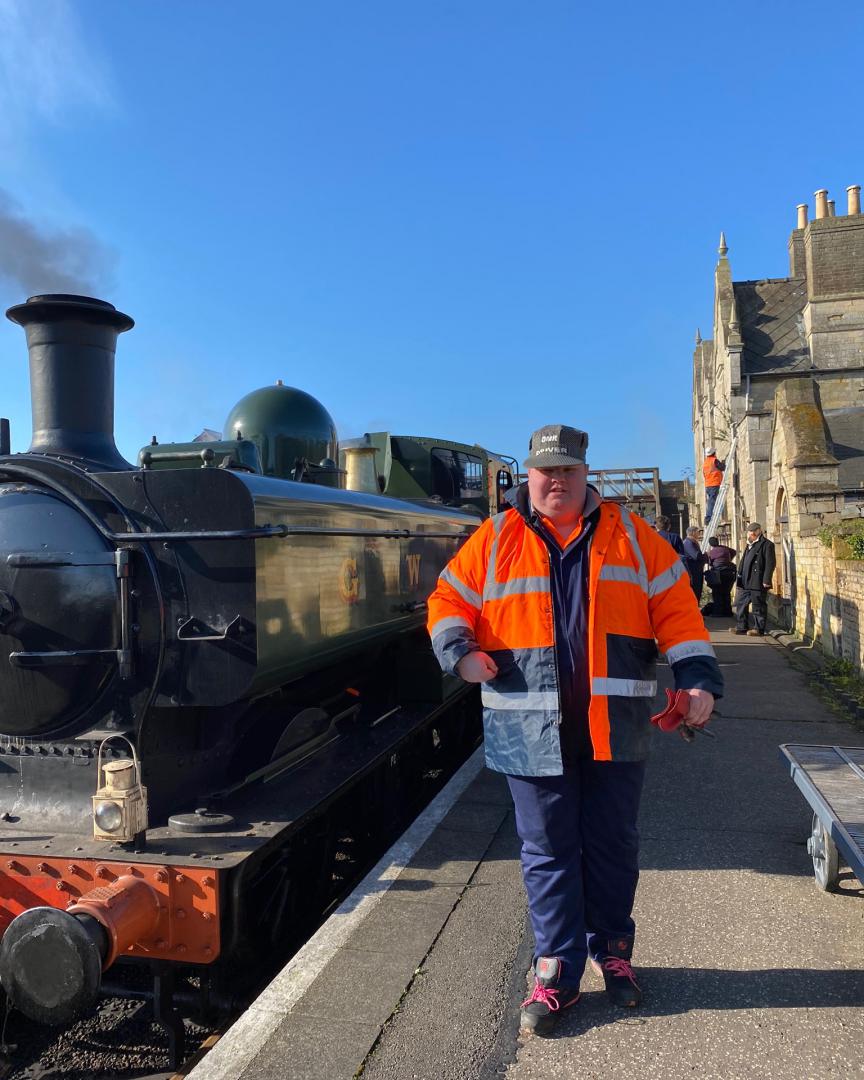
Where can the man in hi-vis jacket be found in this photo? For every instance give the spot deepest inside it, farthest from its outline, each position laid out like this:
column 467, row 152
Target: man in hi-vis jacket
column 556, row 606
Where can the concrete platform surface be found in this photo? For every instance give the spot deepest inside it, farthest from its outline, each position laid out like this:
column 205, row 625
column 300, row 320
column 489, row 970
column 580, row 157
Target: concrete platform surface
column 748, row 969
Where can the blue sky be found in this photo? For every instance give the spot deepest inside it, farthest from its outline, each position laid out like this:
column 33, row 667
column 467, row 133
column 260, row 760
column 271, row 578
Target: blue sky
column 464, row 219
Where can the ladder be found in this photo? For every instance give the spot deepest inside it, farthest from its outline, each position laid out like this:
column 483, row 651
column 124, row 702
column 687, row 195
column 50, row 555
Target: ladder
column 717, row 512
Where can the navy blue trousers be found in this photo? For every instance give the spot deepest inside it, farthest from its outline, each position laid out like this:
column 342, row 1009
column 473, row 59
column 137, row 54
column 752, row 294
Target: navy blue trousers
column 711, row 494
column 580, row 858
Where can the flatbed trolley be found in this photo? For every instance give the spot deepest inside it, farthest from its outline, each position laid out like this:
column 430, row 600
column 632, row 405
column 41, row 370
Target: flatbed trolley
column 831, row 779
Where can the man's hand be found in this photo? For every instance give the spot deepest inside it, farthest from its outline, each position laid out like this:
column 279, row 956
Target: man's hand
column 479, row 667
column 701, row 707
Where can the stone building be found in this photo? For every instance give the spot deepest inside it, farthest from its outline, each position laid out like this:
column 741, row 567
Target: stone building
column 784, row 375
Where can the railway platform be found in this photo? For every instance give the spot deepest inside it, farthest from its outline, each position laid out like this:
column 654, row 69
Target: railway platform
column 748, row 969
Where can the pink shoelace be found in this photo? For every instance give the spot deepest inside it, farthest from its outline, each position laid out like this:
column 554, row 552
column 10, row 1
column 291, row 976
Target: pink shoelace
column 548, row 995
column 616, row 966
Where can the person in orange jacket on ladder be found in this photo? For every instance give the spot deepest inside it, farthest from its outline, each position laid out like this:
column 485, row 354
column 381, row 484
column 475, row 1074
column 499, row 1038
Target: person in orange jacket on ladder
column 556, row 606
column 712, row 470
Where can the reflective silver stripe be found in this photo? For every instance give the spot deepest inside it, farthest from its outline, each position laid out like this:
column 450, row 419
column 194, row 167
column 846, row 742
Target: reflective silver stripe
column 624, row 687
column 686, row 649
column 516, row 586
column 530, row 701
column 667, row 579
column 622, row 573
column 489, row 584
column 498, row 590
column 450, row 623
column 468, row 595
column 630, row 529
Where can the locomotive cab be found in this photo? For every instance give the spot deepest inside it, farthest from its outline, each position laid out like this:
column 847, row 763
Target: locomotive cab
column 438, row 470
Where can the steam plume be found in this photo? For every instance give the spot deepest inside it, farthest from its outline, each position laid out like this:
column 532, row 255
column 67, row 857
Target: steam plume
column 35, row 260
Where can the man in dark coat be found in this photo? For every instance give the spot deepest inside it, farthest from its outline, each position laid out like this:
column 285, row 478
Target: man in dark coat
column 755, row 572
column 695, row 560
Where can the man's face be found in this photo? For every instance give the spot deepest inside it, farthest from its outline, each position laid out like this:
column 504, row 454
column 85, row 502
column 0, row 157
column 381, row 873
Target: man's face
column 559, row 492
column 753, row 535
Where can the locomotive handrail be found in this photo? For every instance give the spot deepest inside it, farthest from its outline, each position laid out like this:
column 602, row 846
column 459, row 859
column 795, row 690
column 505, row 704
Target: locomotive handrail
column 274, row 532
column 261, row 532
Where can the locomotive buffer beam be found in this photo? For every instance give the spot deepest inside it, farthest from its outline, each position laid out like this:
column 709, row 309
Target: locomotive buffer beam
column 51, row 961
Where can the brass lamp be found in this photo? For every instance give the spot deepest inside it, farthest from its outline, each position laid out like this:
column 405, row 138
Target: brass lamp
column 120, row 802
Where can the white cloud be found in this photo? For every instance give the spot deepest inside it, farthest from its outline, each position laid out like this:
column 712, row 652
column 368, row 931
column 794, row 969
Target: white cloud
column 48, row 70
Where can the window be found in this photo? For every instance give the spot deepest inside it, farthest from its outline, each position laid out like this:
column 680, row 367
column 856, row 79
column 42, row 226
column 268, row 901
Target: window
column 503, row 483
column 456, row 476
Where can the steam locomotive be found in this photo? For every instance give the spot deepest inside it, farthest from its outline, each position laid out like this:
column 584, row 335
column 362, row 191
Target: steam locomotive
column 198, row 656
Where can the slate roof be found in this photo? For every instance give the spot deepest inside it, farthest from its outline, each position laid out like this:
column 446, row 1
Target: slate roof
column 770, row 313
column 847, row 435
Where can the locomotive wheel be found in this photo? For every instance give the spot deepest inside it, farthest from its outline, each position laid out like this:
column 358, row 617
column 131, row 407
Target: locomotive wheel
column 826, row 859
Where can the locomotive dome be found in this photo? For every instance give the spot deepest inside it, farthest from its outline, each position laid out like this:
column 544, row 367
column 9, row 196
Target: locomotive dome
column 288, row 425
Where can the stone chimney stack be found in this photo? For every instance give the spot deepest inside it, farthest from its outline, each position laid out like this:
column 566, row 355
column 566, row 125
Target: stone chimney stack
column 797, row 258
column 833, row 318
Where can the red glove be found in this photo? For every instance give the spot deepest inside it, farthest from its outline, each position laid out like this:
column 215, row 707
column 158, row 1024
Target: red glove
column 675, row 713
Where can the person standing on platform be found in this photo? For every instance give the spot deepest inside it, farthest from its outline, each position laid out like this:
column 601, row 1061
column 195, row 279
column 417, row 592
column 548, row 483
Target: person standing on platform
column 663, row 525
column 567, row 699
column 712, row 470
column 695, row 560
column 755, row 574
column 720, row 577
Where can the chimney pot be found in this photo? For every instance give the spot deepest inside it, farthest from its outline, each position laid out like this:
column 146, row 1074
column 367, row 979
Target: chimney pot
column 72, row 340
column 853, row 194
column 802, row 215
column 821, row 203
column 831, row 212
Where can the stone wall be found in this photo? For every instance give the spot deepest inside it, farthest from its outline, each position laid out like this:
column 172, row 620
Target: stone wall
column 824, row 596
column 850, row 590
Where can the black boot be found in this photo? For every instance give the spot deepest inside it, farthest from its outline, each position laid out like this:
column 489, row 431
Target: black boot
column 613, row 964
column 541, row 1010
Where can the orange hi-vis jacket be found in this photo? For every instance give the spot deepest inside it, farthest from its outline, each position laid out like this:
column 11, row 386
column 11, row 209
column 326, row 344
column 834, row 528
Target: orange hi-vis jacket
column 495, row 595
column 713, row 475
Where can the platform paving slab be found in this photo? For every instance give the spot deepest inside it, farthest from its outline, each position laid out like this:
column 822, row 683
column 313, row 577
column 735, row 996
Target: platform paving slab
column 449, row 1022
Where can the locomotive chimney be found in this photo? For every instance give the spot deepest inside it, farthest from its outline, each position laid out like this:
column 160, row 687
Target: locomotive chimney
column 71, row 340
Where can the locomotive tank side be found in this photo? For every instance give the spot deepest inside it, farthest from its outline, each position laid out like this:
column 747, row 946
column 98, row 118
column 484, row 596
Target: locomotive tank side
column 321, row 596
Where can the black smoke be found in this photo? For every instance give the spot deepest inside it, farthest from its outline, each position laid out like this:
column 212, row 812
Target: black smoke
column 35, row 260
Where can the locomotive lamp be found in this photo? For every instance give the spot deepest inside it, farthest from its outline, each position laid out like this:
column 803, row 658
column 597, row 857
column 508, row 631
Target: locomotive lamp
column 120, row 802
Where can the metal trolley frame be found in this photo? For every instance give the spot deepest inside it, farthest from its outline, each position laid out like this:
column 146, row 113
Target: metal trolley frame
column 831, row 779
